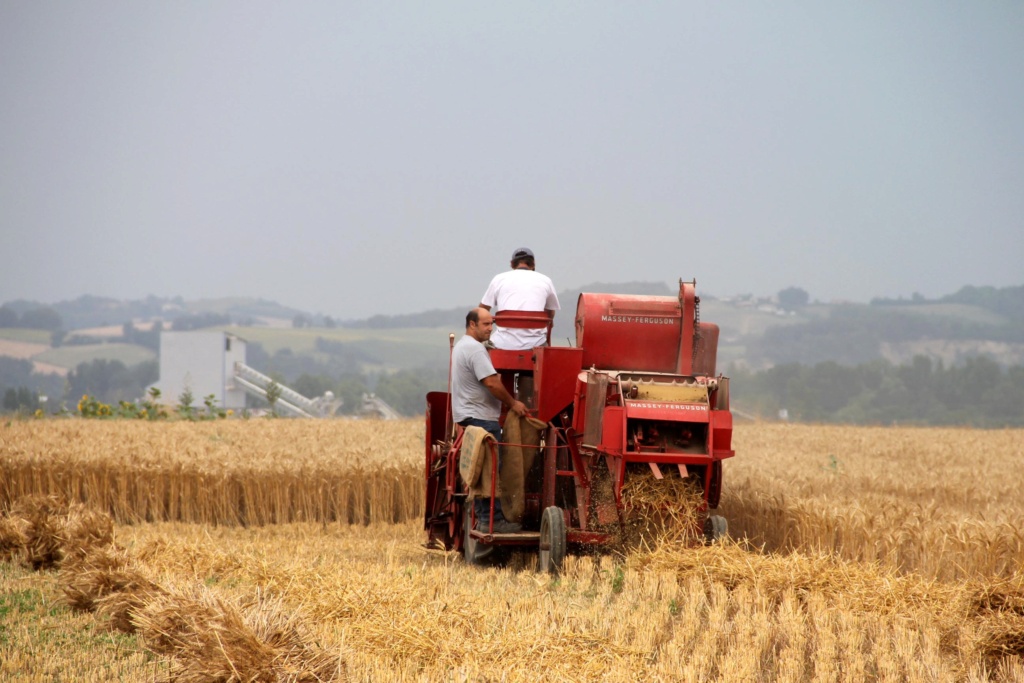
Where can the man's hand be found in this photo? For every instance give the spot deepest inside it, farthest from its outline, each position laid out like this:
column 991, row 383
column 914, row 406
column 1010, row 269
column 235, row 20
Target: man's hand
column 497, row 389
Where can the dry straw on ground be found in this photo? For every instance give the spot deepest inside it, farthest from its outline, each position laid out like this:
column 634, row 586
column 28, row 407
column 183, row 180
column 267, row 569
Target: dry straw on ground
column 662, row 511
column 207, row 637
column 724, row 612
column 212, row 638
column 862, row 554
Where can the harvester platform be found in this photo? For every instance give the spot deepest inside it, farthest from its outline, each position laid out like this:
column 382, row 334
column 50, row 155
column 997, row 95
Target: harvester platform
column 518, row 538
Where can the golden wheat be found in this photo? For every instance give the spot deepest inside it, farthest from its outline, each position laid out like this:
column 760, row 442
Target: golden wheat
column 237, row 472
column 939, row 502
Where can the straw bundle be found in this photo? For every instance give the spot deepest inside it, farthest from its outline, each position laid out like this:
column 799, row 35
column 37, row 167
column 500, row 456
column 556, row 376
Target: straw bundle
column 13, row 537
column 44, row 530
column 208, row 638
column 106, row 581
column 1000, row 608
column 212, row 639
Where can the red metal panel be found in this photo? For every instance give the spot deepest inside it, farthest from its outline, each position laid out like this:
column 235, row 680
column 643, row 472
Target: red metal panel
column 524, row 320
column 721, row 434
column 669, row 458
column 438, row 410
column 666, row 411
column 706, row 358
column 503, row 359
column 628, row 332
column 613, row 433
column 554, row 379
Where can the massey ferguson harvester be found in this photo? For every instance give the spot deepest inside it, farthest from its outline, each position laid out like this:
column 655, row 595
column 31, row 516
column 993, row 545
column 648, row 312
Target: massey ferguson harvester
column 637, row 394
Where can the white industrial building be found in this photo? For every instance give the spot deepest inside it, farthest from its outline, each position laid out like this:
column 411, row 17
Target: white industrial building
column 206, row 363
column 203, row 362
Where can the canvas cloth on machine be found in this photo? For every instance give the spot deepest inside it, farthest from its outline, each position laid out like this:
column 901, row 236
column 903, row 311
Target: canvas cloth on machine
column 519, row 434
column 475, row 462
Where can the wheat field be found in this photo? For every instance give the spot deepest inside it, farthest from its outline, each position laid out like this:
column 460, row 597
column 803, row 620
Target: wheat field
column 291, row 550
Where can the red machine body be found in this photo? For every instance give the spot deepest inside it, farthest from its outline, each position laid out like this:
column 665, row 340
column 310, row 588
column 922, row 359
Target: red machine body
column 638, row 392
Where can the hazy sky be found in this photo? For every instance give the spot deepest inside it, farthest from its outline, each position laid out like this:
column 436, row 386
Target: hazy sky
column 355, row 158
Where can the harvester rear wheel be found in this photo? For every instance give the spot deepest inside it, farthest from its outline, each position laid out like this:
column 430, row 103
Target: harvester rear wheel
column 552, row 541
column 715, row 528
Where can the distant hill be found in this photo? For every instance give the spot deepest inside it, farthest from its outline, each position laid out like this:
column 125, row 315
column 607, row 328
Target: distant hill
column 89, row 311
column 972, row 322
column 756, row 332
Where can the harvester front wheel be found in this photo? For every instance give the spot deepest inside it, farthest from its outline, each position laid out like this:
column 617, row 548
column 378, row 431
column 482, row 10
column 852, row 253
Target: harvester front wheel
column 552, row 541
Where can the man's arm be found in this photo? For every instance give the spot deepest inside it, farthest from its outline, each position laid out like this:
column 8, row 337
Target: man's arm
column 498, row 391
column 485, row 307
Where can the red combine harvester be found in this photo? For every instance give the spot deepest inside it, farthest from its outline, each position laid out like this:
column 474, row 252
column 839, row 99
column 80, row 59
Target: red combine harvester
column 638, row 393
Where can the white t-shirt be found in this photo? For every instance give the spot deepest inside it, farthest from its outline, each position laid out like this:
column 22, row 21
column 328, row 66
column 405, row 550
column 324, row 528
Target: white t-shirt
column 520, row 290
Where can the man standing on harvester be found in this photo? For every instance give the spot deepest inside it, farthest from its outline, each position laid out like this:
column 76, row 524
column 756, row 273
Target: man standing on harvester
column 477, row 397
column 520, row 289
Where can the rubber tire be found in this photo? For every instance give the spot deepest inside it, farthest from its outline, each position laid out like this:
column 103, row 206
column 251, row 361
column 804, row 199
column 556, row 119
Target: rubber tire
column 552, row 535
column 715, row 529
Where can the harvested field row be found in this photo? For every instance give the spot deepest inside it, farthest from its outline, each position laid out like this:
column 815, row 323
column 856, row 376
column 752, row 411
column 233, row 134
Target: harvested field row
column 227, row 604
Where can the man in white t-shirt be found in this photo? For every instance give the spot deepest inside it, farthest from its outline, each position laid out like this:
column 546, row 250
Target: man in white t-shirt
column 520, row 289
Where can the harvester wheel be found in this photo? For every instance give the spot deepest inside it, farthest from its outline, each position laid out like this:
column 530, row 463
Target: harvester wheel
column 552, row 541
column 715, row 528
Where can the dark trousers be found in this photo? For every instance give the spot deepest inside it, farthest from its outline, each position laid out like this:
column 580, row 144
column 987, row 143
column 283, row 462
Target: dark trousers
column 482, row 506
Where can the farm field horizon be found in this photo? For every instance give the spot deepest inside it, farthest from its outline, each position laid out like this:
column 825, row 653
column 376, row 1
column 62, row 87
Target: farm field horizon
column 857, row 554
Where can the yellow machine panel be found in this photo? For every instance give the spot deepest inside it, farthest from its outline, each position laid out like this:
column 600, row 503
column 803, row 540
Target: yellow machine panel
column 672, row 392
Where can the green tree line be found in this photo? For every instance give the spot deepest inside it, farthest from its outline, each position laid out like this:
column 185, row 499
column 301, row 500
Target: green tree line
column 976, row 393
